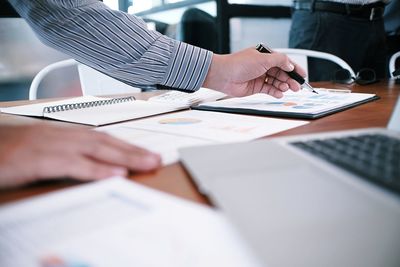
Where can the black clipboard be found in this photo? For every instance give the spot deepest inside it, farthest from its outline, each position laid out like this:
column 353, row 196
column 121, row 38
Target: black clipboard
column 285, row 114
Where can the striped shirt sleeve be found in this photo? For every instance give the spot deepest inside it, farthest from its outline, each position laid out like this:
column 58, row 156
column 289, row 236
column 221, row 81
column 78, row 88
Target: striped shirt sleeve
column 115, row 43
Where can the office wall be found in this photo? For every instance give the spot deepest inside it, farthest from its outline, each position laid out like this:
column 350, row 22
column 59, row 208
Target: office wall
column 247, row 32
column 262, row 2
column 22, row 55
column 244, row 32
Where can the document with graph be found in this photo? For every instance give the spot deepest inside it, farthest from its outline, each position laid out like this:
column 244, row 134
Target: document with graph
column 167, row 133
column 305, row 105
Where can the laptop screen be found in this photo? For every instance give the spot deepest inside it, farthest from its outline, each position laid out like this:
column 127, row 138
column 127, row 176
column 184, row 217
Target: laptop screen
column 394, row 123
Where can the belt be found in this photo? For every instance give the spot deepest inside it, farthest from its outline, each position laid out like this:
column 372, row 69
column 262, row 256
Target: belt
column 369, row 11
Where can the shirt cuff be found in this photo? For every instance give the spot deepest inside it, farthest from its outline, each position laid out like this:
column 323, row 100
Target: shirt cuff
column 188, row 67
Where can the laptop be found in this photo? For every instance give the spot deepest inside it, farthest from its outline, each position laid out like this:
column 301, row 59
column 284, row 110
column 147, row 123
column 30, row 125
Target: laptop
column 328, row 199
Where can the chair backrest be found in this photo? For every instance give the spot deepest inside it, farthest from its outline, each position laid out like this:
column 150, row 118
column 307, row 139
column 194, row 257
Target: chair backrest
column 33, row 90
column 392, row 62
column 198, row 28
column 92, row 81
column 300, row 57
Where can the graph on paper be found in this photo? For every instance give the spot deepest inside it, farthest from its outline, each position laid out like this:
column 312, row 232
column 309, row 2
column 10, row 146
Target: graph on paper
column 292, row 103
column 295, row 102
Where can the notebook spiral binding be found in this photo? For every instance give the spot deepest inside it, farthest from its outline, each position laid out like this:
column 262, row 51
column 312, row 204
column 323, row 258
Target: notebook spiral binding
column 90, row 104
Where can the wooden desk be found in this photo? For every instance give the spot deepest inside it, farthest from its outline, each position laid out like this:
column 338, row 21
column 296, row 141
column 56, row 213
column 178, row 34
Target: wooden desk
column 175, row 180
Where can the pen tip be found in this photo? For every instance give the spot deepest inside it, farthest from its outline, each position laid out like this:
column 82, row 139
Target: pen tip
column 309, row 87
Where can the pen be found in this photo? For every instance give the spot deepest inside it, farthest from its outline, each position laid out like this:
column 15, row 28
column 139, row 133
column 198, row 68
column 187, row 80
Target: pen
column 292, row 74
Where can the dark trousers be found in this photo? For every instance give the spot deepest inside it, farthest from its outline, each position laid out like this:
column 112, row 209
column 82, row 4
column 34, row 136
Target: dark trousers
column 359, row 42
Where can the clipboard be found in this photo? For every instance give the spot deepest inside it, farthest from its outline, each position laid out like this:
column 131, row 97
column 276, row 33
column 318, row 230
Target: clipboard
column 303, row 105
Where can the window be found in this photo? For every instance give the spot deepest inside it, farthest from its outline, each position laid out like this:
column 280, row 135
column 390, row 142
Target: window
column 136, row 6
column 114, row 4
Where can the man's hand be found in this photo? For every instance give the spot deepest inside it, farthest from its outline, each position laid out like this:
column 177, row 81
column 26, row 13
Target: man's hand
column 249, row 72
column 37, row 152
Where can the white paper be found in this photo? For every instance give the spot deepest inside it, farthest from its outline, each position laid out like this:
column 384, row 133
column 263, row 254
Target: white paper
column 165, row 134
column 166, row 145
column 300, row 102
column 188, row 99
column 117, row 223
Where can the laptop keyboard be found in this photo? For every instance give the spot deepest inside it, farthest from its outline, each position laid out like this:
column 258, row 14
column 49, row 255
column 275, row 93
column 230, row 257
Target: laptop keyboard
column 374, row 157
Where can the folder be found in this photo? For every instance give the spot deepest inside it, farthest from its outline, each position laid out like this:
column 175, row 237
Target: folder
column 302, row 105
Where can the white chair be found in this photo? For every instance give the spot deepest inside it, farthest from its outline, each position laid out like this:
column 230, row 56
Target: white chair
column 392, row 63
column 92, row 81
column 300, row 57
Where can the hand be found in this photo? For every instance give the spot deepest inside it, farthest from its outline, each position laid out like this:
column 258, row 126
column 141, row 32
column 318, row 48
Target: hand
column 36, row 152
column 249, row 72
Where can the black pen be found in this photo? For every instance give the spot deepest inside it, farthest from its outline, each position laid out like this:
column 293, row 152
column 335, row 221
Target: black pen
column 292, row 74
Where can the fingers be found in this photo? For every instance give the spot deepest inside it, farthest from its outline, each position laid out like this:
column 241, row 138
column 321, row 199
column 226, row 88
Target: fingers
column 50, row 152
column 118, row 152
column 277, row 60
column 283, row 62
column 239, row 74
column 281, row 80
column 300, row 70
column 85, row 155
column 87, row 170
column 271, row 90
column 78, row 167
column 105, row 148
column 277, row 63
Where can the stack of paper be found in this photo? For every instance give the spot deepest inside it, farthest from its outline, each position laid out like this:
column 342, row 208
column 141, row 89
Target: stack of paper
column 117, row 223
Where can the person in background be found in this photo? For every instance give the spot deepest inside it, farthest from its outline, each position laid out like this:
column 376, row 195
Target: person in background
column 350, row 29
column 121, row 46
column 391, row 18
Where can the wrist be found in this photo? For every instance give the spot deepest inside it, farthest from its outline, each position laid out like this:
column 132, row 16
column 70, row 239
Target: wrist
column 215, row 78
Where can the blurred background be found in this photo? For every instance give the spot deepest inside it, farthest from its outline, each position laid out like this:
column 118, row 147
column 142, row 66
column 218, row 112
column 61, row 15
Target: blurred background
column 240, row 23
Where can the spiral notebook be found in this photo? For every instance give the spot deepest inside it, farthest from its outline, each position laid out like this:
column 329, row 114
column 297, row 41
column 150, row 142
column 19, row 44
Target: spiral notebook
column 93, row 110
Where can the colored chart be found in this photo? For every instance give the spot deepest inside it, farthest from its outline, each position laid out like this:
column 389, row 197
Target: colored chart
column 286, row 104
column 179, row 121
column 56, row 261
column 308, row 105
column 292, row 102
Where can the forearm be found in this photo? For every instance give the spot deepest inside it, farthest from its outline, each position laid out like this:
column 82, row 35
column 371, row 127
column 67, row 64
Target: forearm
column 115, row 43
